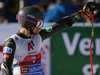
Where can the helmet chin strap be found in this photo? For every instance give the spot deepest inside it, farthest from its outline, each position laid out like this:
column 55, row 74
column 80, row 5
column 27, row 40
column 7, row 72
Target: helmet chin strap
column 31, row 31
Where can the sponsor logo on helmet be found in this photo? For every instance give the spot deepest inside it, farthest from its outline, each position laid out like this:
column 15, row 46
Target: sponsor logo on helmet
column 22, row 18
column 30, row 16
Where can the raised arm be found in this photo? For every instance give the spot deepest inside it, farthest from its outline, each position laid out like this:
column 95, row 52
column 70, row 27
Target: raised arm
column 68, row 21
column 62, row 24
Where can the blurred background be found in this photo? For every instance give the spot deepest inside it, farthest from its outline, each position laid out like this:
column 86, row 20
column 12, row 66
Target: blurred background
column 53, row 9
column 66, row 53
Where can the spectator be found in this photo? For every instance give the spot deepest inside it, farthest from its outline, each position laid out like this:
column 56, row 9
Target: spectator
column 85, row 1
column 1, row 10
column 40, row 6
column 33, row 2
column 10, row 10
column 1, row 4
column 75, row 2
column 12, row 7
column 97, row 16
column 60, row 9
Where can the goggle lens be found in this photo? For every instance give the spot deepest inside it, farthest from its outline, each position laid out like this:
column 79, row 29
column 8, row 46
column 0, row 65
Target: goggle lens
column 39, row 23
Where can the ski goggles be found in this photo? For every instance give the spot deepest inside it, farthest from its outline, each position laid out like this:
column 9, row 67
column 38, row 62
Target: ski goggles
column 39, row 23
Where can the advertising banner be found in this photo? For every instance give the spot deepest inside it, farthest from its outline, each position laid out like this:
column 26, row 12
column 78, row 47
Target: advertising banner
column 66, row 53
column 70, row 51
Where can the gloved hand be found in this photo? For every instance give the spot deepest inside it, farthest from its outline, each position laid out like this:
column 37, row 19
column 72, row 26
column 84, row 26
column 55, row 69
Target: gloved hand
column 89, row 8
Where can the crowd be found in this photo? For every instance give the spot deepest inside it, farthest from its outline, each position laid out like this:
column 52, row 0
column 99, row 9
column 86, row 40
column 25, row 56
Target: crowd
column 53, row 9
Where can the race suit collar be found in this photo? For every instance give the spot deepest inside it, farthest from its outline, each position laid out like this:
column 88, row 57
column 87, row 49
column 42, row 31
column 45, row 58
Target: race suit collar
column 22, row 35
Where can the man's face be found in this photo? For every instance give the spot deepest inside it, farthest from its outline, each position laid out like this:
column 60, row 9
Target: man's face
column 36, row 31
